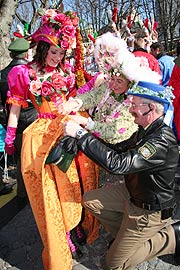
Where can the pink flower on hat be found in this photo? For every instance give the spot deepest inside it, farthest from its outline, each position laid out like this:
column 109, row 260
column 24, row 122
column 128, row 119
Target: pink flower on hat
column 64, row 44
column 60, row 18
column 67, row 21
column 75, row 21
column 50, row 12
column 97, row 134
column 45, row 19
column 69, row 30
column 57, row 28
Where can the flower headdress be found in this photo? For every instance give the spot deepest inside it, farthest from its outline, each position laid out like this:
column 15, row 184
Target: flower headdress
column 157, row 93
column 57, row 28
column 113, row 57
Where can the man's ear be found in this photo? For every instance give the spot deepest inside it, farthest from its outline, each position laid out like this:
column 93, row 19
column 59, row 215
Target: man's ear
column 152, row 106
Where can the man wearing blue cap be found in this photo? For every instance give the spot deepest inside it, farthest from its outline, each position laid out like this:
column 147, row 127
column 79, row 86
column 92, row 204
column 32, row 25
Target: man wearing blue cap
column 138, row 212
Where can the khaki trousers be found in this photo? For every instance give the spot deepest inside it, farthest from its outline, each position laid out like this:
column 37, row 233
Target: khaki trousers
column 139, row 234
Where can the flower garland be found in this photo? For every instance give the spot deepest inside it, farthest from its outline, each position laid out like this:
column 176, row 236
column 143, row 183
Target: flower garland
column 117, row 97
column 50, row 88
column 79, row 58
column 165, row 94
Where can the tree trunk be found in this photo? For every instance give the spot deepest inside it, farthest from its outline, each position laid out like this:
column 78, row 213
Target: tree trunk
column 7, row 10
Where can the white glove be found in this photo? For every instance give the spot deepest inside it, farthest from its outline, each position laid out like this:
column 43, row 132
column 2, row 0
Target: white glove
column 72, row 105
column 81, row 120
column 71, row 128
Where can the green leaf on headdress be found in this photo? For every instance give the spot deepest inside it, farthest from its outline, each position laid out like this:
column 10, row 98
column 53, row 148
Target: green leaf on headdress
column 26, row 28
column 51, row 20
column 69, row 13
column 95, row 35
column 81, row 21
column 40, row 12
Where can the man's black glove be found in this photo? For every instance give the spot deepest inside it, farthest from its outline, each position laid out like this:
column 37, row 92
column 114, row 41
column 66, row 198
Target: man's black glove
column 63, row 154
column 69, row 144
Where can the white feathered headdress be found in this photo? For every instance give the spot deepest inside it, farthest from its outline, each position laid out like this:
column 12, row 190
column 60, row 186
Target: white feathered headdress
column 113, row 57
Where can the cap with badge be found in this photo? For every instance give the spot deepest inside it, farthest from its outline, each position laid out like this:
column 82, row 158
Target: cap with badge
column 19, row 45
column 157, row 93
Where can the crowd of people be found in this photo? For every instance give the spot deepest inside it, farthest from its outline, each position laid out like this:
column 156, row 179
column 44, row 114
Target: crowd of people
column 122, row 122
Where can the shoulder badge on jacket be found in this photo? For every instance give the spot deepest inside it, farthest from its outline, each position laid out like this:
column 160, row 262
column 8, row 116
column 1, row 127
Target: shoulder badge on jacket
column 147, row 150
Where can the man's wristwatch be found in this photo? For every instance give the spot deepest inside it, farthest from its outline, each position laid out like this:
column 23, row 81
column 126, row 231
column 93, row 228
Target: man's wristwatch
column 80, row 133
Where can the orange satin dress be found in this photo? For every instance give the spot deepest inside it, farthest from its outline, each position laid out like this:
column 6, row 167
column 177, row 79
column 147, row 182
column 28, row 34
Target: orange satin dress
column 55, row 197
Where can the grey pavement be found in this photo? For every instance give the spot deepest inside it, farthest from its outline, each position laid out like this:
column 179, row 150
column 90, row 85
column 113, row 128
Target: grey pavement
column 21, row 247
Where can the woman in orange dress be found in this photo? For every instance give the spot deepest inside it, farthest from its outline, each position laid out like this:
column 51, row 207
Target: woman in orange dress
column 55, row 196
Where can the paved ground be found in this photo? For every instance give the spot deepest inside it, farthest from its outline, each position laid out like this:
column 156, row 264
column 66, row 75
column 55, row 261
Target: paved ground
column 20, row 247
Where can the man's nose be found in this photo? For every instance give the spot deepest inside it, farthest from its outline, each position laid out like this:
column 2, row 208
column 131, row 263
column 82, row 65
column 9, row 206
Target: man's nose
column 130, row 108
column 113, row 84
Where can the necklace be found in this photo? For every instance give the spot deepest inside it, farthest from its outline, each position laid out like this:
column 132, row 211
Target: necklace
column 120, row 98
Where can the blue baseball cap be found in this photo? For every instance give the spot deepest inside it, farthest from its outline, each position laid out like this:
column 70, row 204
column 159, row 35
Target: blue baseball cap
column 157, row 93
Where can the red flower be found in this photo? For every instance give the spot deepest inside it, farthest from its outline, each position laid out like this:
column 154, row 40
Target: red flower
column 64, row 44
column 70, row 81
column 60, row 18
column 46, row 88
column 58, row 81
column 69, row 30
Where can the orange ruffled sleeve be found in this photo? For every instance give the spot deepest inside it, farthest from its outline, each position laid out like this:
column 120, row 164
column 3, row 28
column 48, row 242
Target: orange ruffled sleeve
column 19, row 83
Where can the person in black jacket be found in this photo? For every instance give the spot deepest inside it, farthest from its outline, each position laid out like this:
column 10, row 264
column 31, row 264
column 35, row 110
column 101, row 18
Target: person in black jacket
column 138, row 212
column 18, row 52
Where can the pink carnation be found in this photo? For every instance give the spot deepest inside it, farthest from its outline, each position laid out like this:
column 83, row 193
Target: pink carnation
column 68, row 67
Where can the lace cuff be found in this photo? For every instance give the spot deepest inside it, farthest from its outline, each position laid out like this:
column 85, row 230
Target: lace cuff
column 90, row 124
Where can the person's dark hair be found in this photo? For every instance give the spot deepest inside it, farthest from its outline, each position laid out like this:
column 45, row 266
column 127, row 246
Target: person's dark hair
column 17, row 55
column 178, row 48
column 41, row 54
column 139, row 41
column 158, row 45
